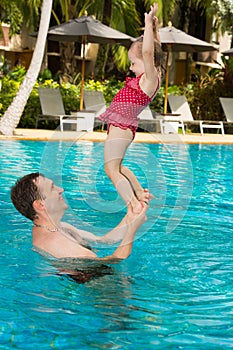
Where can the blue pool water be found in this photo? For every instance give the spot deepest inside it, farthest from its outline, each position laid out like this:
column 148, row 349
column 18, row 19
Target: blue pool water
column 176, row 289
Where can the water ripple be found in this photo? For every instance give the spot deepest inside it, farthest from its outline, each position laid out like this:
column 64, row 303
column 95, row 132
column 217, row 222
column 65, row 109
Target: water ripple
column 176, row 289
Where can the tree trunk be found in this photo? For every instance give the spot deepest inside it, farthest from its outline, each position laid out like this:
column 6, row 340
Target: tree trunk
column 103, row 49
column 67, row 52
column 185, row 7
column 14, row 112
column 107, row 17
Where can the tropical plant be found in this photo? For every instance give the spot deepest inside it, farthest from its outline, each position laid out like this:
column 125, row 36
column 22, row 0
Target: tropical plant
column 20, row 13
column 11, row 14
column 223, row 12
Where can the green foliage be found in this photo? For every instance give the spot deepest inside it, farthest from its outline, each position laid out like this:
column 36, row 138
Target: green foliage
column 5, row 100
column 71, row 97
column 202, row 95
column 223, row 11
column 157, row 104
column 11, row 14
column 4, row 67
column 18, row 73
column 17, row 12
column 9, row 88
column 45, row 75
column 32, row 109
column 109, row 87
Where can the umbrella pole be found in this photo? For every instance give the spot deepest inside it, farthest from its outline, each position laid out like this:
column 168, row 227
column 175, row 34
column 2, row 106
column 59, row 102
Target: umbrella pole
column 166, row 81
column 83, row 73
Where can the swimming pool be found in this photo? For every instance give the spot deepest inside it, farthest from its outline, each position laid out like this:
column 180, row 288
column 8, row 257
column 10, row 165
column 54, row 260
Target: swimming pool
column 176, row 289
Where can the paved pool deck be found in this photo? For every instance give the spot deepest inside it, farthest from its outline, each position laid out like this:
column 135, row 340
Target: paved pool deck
column 95, row 136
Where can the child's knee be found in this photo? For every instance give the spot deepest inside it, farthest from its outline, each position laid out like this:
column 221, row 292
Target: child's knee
column 112, row 170
column 109, row 171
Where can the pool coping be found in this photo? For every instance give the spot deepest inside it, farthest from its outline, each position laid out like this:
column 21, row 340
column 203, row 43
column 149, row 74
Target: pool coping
column 95, row 136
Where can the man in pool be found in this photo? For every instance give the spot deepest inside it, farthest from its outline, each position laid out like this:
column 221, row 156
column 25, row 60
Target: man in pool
column 40, row 200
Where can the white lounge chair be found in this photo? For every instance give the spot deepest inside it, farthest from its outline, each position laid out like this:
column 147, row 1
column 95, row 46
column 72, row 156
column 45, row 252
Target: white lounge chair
column 146, row 114
column 94, row 100
column 170, row 123
column 227, row 106
column 53, row 109
column 179, row 105
column 95, row 105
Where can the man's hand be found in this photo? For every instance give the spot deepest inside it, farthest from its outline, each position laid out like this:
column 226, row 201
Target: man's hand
column 135, row 220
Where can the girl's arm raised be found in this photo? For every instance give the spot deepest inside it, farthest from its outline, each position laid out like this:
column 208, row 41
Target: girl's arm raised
column 150, row 77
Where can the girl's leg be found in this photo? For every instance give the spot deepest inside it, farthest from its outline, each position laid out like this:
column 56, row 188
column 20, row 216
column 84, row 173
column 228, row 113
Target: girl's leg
column 117, row 142
column 142, row 194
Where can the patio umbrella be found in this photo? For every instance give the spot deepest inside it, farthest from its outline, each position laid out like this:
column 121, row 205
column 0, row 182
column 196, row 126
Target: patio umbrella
column 87, row 29
column 228, row 52
column 173, row 39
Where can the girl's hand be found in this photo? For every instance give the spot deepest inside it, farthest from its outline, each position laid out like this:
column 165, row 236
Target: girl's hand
column 150, row 16
column 153, row 9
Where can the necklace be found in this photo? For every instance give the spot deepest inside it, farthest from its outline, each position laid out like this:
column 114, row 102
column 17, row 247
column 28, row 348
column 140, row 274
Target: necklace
column 55, row 229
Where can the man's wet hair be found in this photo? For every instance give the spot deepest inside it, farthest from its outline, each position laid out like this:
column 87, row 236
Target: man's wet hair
column 24, row 193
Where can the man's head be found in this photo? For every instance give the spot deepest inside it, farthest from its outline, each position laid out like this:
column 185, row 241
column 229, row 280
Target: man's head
column 34, row 194
column 24, row 193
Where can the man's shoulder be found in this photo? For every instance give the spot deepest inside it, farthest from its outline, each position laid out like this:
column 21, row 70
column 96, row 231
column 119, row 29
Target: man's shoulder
column 69, row 229
column 73, row 233
column 66, row 224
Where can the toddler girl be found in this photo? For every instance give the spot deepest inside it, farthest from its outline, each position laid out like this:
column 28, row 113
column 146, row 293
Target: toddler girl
column 145, row 55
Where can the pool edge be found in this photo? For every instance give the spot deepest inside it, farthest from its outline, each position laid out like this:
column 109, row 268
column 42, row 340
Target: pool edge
column 95, row 136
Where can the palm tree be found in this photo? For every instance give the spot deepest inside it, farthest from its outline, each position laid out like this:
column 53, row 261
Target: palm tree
column 12, row 116
column 223, row 11
column 103, row 50
column 63, row 11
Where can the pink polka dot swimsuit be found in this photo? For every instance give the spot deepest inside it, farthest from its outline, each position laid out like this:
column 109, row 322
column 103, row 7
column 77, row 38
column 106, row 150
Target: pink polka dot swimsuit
column 128, row 103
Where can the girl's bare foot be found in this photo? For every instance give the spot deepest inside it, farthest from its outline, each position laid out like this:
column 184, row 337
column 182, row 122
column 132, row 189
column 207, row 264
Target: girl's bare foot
column 144, row 195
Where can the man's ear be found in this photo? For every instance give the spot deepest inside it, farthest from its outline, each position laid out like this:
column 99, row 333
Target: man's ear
column 38, row 205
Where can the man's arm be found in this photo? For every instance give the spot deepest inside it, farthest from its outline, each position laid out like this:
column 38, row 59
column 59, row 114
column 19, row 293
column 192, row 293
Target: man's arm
column 134, row 221
column 113, row 236
column 61, row 247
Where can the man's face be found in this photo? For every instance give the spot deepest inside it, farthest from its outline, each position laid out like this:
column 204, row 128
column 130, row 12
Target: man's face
column 51, row 195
